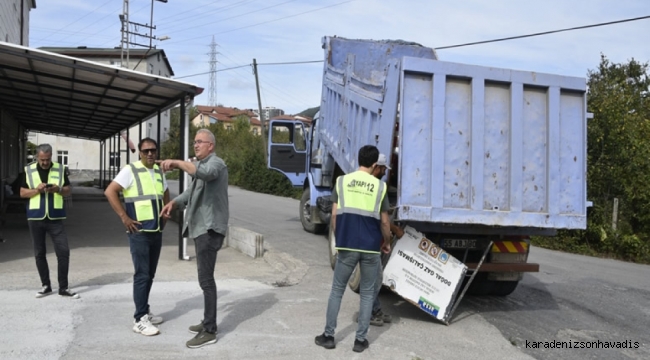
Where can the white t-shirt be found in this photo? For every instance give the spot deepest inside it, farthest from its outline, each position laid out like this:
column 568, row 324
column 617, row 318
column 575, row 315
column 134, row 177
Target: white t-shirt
column 125, row 177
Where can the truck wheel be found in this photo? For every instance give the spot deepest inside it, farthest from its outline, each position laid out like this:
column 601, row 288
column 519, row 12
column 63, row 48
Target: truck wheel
column 355, row 279
column 305, row 215
column 332, row 247
column 504, row 288
column 481, row 286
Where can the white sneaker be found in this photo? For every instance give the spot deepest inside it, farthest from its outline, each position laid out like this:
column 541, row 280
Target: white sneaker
column 155, row 319
column 145, row 327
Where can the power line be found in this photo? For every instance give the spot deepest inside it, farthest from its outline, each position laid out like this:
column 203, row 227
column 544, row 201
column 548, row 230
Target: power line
column 452, row 46
column 543, row 33
column 176, row 14
column 241, row 66
column 83, row 17
column 207, row 72
column 185, row 28
column 172, row 24
column 293, row 62
column 265, row 22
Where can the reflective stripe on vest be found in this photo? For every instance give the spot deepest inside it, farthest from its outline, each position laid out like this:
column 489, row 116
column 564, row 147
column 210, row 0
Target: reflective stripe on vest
column 44, row 205
column 144, row 200
column 358, row 212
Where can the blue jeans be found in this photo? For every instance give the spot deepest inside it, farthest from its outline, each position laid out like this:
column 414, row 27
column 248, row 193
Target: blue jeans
column 207, row 246
column 345, row 264
column 39, row 230
column 376, row 305
column 145, row 252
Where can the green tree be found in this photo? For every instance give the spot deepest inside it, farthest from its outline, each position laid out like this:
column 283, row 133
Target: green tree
column 170, row 148
column 242, row 151
column 310, row 112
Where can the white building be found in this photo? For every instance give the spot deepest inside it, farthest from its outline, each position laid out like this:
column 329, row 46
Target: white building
column 14, row 28
column 269, row 112
column 14, row 21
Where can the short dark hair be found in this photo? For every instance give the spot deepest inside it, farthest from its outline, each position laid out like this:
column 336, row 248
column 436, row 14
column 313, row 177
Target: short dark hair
column 368, row 155
column 147, row 139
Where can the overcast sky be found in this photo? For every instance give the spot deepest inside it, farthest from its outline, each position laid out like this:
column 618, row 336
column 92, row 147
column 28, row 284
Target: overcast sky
column 275, row 31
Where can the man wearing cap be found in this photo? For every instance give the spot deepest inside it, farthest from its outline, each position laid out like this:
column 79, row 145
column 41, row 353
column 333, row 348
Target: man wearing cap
column 378, row 317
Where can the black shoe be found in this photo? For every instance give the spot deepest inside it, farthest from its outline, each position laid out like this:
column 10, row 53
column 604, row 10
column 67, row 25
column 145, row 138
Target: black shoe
column 68, row 294
column 325, row 341
column 45, row 291
column 359, row 346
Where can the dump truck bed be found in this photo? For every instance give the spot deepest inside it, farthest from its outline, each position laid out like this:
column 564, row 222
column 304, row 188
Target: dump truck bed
column 470, row 145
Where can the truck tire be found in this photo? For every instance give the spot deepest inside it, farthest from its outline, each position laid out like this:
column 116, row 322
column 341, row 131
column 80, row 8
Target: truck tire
column 305, row 215
column 481, row 286
column 355, row 279
column 331, row 239
column 503, row 288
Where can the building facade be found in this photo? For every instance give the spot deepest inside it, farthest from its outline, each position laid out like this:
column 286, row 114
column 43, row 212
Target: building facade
column 14, row 28
column 14, row 21
column 270, row 112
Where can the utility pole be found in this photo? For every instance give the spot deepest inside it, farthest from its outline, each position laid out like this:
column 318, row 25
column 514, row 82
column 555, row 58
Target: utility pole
column 259, row 107
column 124, row 18
column 127, row 33
column 212, row 98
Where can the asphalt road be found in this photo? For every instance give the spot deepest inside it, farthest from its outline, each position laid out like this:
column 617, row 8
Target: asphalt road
column 586, row 303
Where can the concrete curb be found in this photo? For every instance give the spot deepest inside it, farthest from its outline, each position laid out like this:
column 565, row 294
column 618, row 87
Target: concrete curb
column 246, row 241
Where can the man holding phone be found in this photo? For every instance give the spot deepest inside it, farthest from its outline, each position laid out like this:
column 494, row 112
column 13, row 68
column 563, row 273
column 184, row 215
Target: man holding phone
column 145, row 191
column 45, row 184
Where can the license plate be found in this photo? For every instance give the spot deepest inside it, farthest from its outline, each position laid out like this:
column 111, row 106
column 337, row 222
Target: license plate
column 459, row 244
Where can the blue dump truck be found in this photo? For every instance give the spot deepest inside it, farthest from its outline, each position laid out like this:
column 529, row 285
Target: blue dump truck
column 482, row 158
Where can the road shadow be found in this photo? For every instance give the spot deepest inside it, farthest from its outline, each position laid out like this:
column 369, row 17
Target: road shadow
column 186, row 305
column 243, row 310
column 105, row 279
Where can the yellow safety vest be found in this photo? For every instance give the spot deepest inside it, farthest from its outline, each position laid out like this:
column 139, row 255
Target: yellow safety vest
column 144, row 201
column 358, row 212
column 44, row 205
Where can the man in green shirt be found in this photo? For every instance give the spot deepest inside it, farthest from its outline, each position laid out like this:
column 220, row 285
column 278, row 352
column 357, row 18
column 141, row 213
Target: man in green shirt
column 206, row 221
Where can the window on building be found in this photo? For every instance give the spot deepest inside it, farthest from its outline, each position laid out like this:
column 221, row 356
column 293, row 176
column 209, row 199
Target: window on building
column 62, row 157
column 150, row 68
column 228, row 127
column 116, row 63
column 255, row 131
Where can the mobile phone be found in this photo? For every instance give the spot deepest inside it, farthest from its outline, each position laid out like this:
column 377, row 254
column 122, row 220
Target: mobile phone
column 49, row 185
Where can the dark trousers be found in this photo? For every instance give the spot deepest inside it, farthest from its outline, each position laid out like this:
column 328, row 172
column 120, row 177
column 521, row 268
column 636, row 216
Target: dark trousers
column 207, row 246
column 39, row 230
column 145, row 252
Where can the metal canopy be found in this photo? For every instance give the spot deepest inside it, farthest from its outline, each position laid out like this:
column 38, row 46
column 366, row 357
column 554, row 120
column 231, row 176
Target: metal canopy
column 62, row 95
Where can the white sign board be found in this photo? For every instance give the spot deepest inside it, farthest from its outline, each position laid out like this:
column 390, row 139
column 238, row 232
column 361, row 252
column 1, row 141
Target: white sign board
column 424, row 274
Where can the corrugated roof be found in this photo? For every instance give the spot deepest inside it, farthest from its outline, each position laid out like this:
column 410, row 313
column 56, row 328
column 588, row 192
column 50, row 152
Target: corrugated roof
column 68, row 96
